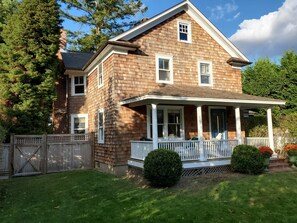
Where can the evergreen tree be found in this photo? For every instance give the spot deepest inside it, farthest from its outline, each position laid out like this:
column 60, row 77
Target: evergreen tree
column 288, row 69
column 7, row 7
column 106, row 18
column 29, row 64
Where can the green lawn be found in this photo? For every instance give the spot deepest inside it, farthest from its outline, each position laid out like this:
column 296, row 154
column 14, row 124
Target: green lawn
column 90, row 196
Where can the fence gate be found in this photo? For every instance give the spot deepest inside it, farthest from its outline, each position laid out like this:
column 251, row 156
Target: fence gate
column 41, row 154
column 28, row 155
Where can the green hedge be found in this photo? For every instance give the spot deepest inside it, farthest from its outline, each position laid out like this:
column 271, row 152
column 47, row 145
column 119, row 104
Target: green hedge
column 162, row 168
column 247, row 159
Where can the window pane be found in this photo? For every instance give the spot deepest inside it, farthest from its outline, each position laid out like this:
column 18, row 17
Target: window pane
column 166, row 64
column 79, row 123
column 79, row 131
column 204, row 68
column 160, row 116
column 173, row 117
column 164, row 75
column 183, row 36
column 161, row 63
column 160, row 131
column 80, row 89
column 174, row 130
column 100, row 119
column 204, row 79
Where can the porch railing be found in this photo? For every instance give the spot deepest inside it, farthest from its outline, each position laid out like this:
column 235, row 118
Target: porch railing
column 187, row 149
column 257, row 141
column 219, row 148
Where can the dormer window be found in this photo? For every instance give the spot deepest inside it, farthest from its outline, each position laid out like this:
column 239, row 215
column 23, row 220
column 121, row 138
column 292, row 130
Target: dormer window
column 205, row 73
column 184, row 31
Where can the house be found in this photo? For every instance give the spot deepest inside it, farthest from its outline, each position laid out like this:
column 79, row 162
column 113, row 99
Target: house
column 172, row 78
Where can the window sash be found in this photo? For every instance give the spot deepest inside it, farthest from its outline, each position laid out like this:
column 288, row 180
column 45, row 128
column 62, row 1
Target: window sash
column 79, row 124
column 169, row 122
column 205, row 72
column 164, row 70
column 79, row 85
column 183, row 31
column 100, row 75
column 100, row 127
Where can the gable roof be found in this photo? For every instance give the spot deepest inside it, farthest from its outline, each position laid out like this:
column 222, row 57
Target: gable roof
column 75, row 60
column 189, row 8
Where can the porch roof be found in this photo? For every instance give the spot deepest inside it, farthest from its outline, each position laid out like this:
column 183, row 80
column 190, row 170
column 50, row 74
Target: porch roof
column 195, row 95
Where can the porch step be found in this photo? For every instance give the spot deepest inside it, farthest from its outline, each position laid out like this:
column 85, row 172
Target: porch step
column 279, row 165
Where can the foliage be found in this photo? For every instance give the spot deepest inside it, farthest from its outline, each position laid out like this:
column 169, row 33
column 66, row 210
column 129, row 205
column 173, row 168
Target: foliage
column 29, row 65
column 278, row 81
column 247, row 159
column 162, row 167
column 106, row 18
column 7, row 7
column 265, row 151
column 2, row 133
column 288, row 123
column 291, row 149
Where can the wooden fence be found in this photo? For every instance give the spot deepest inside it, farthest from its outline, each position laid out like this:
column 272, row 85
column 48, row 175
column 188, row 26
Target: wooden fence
column 41, row 154
column 4, row 159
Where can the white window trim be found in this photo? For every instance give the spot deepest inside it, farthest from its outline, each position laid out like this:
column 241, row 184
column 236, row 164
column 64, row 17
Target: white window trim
column 72, row 85
column 170, row 58
column 98, row 70
column 188, row 23
column 165, row 130
column 72, row 116
column 100, row 141
column 210, row 76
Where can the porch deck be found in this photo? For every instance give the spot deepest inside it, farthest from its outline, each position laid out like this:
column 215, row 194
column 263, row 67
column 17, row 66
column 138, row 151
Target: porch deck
column 193, row 153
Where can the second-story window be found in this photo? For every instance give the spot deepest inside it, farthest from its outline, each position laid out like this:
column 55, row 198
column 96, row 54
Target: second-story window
column 164, row 69
column 184, row 31
column 100, row 75
column 78, row 85
column 205, row 73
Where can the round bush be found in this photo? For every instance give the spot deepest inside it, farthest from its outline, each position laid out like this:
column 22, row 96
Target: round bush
column 247, row 159
column 163, row 168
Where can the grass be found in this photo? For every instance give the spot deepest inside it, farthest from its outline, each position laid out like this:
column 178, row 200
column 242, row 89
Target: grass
column 90, row 196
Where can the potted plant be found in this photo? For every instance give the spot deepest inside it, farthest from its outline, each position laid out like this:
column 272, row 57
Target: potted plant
column 266, row 153
column 291, row 150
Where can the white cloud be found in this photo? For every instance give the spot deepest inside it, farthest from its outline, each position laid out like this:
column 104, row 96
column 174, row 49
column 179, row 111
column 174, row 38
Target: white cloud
column 270, row 35
column 219, row 11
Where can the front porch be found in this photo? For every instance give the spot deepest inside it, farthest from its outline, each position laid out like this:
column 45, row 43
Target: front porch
column 202, row 125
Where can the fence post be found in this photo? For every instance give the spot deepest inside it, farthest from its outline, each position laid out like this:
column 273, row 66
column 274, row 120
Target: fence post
column 11, row 156
column 44, row 154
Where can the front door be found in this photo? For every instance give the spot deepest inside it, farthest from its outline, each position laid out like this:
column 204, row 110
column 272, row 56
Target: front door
column 218, row 124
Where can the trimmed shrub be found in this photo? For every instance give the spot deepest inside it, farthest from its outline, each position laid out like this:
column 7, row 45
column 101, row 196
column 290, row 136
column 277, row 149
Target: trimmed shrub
column 247, row 159
column 162, row 168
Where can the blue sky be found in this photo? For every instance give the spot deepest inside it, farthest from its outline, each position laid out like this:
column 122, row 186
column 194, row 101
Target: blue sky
column 259, row 28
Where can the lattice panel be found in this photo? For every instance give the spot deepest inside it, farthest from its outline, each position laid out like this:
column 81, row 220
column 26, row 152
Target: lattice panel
column 205, row 170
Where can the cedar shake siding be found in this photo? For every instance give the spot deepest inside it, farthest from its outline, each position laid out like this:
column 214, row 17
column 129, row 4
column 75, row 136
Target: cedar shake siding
column 129, row 76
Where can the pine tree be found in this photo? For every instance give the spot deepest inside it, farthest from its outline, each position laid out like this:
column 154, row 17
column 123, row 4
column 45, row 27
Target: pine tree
column 28, row 63
column 106, row 18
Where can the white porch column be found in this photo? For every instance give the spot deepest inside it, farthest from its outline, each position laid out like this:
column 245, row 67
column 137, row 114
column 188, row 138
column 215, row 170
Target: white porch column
column 199, row 121
column 270, row 129
column 238, row 125
column 155, row 126
column 202, row 154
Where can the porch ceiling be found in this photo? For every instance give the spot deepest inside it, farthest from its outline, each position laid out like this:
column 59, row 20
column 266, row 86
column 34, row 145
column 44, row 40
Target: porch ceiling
column 192, row 95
